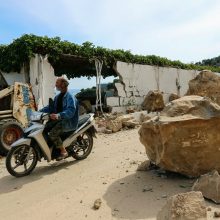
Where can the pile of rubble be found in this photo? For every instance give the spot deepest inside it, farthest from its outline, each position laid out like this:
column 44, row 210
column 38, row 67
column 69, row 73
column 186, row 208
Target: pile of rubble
column 191, row 205
column 111, row 123
column 187, row 206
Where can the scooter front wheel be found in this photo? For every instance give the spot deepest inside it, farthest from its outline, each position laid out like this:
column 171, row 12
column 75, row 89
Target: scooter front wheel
column 21, row 160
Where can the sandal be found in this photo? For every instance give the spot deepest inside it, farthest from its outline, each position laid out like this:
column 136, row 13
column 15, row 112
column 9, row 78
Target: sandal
column 62, row 156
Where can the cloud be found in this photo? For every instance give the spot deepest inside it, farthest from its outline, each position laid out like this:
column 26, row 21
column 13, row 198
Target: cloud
column 185, row 30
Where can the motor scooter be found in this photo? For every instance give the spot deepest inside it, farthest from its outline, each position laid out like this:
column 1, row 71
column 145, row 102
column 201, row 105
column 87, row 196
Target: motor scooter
column 35, row 144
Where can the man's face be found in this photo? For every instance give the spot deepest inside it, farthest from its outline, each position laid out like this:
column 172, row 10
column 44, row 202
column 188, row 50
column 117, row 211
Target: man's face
column 59, row 85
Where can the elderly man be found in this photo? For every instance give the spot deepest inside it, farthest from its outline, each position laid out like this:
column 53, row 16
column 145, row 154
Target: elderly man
column 64, row 116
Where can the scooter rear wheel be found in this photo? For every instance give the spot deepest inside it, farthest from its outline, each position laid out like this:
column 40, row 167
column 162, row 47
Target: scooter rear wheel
column 83, row 146
column 21, row 160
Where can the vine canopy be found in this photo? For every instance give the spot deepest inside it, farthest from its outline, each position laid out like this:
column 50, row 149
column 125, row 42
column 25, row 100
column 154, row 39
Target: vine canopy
column 76, row 60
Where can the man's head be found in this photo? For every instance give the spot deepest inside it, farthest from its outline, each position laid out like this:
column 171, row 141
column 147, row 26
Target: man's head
column 62, row 84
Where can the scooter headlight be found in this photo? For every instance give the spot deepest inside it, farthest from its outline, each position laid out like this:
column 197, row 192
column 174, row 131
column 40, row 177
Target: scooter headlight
column 36, row 116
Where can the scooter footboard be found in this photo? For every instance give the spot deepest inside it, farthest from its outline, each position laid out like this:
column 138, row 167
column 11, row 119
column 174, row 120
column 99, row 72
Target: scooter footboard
column 22, row 141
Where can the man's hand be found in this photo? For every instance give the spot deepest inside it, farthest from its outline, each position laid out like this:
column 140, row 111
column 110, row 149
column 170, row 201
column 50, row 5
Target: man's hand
column 54, row 116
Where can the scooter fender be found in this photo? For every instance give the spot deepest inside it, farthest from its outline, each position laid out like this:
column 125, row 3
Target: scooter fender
column 22, row 141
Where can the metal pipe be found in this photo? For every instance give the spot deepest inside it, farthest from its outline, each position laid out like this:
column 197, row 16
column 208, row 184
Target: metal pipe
column 5, row 116
column 5, row 112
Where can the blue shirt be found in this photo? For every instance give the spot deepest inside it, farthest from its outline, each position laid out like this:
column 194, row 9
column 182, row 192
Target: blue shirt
column 70, row 113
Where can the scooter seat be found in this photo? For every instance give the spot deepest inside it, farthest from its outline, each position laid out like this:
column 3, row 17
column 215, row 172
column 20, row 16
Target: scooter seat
column 82, row 120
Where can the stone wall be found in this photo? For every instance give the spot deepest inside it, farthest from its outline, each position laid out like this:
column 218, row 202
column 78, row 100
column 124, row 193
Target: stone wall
column 138, row 80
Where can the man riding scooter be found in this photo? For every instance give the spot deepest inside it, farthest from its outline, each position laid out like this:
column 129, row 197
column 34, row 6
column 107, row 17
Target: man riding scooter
column 64, row 116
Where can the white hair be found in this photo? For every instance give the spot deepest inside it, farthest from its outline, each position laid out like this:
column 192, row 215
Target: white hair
column 64, row 81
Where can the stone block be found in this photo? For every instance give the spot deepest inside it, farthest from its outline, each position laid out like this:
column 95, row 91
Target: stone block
column 120, row 89
column 112, row 101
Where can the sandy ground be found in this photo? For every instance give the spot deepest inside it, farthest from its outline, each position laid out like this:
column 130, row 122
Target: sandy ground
column 68, row 189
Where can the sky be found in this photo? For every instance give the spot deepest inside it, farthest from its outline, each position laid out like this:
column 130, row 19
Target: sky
column 187, row 30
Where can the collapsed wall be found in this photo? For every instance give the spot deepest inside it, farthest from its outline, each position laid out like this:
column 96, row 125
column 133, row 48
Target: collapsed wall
column 137, row 80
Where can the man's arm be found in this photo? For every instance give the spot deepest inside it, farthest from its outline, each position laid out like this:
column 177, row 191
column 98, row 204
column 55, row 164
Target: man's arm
column 45, row 109
column 49, row 108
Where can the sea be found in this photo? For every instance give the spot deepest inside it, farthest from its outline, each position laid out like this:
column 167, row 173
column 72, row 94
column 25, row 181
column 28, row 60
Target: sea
column 74, row 91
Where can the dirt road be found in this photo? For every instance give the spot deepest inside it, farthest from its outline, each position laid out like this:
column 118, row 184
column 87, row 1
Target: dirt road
column 68, row 189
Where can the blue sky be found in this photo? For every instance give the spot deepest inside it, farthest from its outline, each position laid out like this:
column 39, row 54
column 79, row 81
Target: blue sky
column 179, row 30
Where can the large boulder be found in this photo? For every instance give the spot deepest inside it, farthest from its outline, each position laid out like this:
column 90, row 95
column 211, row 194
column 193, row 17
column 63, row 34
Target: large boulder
column 209, row 185
column 153, row 101
column 206, row 84
column 184, row 206
column 185, row 137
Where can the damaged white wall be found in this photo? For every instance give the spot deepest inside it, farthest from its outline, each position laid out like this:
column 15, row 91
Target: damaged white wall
column 41, row 77
column 138, row 80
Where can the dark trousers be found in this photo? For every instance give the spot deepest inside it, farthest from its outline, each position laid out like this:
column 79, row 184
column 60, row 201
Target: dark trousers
column 54, row 130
